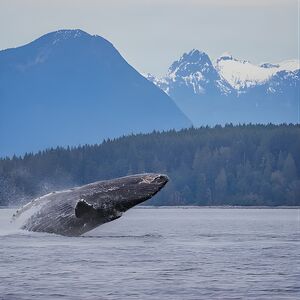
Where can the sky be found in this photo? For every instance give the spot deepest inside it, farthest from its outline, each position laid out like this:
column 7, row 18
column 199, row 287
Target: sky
column 151, row 34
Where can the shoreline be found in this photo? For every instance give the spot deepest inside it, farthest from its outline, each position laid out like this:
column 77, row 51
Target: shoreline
column 194, row 207
column 216, row 207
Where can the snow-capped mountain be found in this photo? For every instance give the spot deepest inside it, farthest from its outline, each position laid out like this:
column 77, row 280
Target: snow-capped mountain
column 70, row 88
column 194, row 71
column 232, row 90
column 242, row 74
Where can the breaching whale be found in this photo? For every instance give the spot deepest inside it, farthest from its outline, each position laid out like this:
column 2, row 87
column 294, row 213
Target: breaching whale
column 78, row 210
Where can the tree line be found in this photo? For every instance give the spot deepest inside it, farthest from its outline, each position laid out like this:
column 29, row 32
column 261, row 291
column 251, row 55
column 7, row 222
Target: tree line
column 231, row 165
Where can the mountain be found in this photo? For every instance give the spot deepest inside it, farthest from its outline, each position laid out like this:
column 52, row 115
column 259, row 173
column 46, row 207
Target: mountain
column 242, row 74
column 70, row 88
column 231, row 90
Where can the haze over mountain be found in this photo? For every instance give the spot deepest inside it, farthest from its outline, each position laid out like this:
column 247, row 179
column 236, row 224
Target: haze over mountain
column 70, row 88
column 232, row 90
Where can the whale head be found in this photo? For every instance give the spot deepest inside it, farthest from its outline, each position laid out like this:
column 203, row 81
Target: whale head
column 104, row 201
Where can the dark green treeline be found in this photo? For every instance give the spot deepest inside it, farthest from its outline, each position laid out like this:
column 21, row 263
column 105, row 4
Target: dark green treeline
column 231, row 165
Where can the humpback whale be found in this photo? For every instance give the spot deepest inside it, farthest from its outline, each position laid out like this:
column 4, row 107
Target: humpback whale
column 78, row 210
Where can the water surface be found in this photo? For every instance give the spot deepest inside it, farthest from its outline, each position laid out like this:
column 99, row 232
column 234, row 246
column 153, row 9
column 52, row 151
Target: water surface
column 151, row 253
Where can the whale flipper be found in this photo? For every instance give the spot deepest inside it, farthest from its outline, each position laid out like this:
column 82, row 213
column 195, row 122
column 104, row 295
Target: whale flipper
column 83, row 208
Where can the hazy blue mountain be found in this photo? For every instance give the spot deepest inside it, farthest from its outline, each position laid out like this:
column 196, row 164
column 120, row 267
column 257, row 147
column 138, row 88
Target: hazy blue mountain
column 232, row 90
column 70, row 88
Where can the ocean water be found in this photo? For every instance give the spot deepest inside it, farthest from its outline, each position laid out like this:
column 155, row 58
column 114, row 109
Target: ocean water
column 158, row 253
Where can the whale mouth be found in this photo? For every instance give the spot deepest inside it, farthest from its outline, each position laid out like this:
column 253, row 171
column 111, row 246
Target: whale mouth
column 144, row 189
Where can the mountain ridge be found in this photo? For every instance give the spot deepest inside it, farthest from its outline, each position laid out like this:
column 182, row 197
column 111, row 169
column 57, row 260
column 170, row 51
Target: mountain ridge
column 209, row 92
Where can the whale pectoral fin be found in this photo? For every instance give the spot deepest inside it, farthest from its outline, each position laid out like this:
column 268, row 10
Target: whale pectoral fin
column 83, row 208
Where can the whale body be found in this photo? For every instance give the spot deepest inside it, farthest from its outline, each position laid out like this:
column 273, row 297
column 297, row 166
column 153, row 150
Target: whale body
column 78, row 210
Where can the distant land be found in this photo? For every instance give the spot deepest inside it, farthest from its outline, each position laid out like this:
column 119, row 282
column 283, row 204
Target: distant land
column 70, row 88
column 231, row 90
column 245, row 165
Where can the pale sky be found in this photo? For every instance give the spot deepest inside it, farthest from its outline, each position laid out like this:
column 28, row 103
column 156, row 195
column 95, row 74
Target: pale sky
column 151, row 34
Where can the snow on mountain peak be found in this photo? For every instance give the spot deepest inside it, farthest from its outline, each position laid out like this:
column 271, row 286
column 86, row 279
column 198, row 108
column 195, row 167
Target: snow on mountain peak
column 193, row 70
column 290, row 65
column 70, row 33
column 65, row 34
column 228, row 75
column 243, row 74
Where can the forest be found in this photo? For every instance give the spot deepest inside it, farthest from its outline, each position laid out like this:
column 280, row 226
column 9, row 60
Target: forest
column 244, row 165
